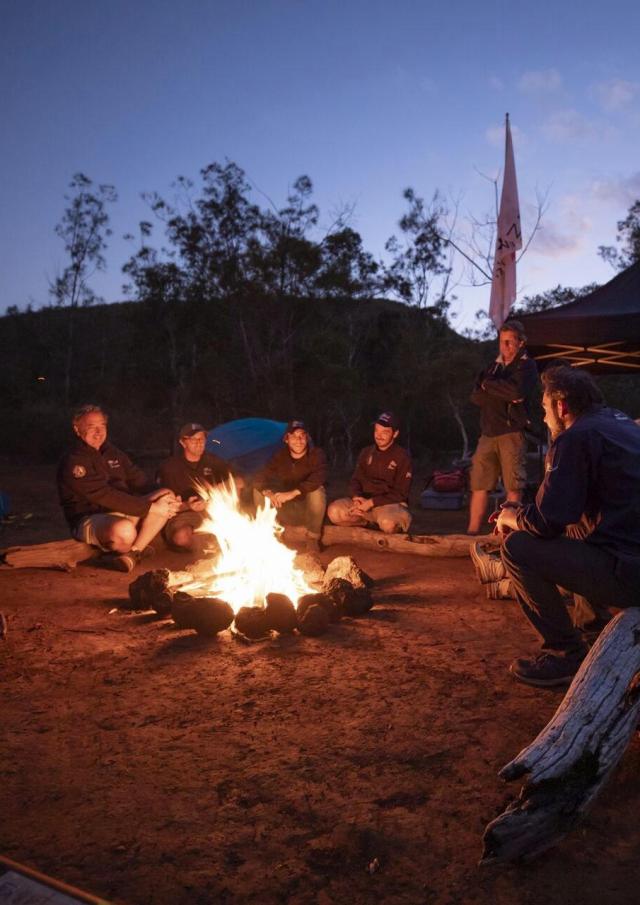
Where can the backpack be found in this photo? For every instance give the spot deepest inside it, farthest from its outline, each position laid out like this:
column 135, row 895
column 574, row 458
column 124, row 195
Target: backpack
column 452, row 481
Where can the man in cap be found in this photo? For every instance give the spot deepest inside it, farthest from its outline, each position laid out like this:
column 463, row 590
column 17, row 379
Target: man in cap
column 502, row 391
column 293, row 480
column 107, row 500
column 187, row 474
column 379, row 488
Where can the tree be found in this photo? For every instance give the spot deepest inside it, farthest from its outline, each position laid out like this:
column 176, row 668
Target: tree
column 83, row 229
column 629, row 237
column 418, row 274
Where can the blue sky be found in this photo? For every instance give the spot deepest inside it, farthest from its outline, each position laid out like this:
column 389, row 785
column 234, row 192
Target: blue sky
column 364, row 97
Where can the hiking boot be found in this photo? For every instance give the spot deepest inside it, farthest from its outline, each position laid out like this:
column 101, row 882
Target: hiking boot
column 547, row 670
column 487, row 563
column 125, row 562
column 500, row 590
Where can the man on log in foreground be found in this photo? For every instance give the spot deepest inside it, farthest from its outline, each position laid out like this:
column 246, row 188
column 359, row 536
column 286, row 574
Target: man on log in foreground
column 107, row 500
column 592, row 470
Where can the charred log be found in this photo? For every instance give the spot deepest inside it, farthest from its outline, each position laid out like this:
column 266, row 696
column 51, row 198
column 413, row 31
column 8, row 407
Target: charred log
column 570, row 761
column 151, row 591
column 281, row 614
column 314, row 621
column 252, row 622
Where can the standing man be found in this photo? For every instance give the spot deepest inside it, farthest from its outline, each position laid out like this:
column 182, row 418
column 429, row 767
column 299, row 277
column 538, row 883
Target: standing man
column 293, row 480
column 593, row 469
column 379, row 488
column 186, row 475
column 107, row 500
column 502, row 391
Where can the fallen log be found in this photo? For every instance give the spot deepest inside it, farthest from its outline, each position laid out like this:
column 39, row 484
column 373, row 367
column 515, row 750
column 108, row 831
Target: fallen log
column 59, row 554
column 572, row 758
column 419, row 544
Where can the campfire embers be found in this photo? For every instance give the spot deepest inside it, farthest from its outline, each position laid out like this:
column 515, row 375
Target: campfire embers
column 162, row 591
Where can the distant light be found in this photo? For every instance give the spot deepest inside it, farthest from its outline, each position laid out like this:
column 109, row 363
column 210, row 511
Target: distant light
column 41, row 378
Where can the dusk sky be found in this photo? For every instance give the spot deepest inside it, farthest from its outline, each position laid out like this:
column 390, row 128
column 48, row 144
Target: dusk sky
column 366, row 98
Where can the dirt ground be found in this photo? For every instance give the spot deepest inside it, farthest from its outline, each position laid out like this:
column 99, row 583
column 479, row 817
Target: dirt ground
column 153, row 767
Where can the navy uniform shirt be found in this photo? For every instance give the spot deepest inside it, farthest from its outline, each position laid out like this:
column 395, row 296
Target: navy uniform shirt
column 383, row 476
column 283, row 473
column 184, row 477
column 593, row 468
column 100, row 480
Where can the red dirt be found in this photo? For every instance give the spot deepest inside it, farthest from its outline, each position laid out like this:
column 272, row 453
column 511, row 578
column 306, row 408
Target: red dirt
column 150, row 766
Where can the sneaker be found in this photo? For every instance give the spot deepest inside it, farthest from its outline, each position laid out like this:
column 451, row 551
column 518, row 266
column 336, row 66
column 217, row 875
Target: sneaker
column 546, row 670
column 500, row 590
column 487, row 563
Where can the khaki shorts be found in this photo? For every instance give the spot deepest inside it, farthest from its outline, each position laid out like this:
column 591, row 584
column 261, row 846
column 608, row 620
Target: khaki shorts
column 495, row 456
column 87, row 530
column 398, row 513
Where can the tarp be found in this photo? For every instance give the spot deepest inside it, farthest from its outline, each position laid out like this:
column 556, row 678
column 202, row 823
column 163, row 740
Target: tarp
column 600, row 331
column 246, row 444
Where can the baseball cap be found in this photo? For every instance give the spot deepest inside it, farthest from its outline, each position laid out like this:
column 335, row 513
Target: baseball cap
column 388, row 419
column 295, row 426
column 188, row 430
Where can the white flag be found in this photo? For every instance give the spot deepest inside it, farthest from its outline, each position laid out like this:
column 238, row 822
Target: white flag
column 508, row 241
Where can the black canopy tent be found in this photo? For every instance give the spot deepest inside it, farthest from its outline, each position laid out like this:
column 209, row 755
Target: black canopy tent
column 600, row 331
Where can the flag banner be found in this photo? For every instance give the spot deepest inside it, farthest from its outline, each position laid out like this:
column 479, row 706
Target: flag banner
column 508, row 241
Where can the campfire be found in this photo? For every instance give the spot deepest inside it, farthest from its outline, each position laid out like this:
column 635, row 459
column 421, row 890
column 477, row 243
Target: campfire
column 252, row 580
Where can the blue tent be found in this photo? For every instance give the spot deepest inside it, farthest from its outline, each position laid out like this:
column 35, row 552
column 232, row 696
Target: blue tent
column 246, row 444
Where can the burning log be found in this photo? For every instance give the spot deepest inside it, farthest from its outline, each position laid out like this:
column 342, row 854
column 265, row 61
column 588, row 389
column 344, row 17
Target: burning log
column 252, row 622
column 281, row 614
column 321, row 600
column 349, row 600
column 151, row 591
column 347, row 569
column 572, row 758
column 314, row 621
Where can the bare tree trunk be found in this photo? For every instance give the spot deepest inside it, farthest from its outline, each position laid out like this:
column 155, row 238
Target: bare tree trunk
column 460, row 423
column 570, row 761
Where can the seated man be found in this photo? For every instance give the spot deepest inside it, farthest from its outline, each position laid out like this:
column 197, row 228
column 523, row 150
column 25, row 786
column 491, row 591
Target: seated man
column 593, row 469
column 379, row 488
column 186, row 474
column 106, row 499
column 293, row 480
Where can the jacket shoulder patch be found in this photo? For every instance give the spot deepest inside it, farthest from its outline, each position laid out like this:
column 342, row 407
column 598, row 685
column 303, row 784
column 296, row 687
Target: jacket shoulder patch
column 79, row 471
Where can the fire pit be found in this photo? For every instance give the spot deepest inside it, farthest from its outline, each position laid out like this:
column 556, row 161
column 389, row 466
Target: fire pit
column 254, row 584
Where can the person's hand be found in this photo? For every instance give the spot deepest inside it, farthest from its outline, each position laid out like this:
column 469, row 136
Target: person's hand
column 360, row 505
column 506, row 519
column 166, row 506
column 196, row 503
column 282, row 497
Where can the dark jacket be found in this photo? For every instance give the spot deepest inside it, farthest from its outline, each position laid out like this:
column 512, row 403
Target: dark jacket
column 496, row 390
column 383, row 476
column 184, row 477
column 593, row 468
column 100, row 480
column 284, row 473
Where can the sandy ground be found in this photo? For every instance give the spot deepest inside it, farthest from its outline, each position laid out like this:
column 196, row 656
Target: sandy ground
column 148, row 765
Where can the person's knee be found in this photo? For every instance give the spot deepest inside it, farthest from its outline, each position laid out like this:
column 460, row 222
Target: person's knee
column 337, row 512
column 120, row 535
column 182, row 537
column 515, row 548
column 388, row 525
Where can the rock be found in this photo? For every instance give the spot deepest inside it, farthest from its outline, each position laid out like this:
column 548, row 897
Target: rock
column 183, row 609
column 314, row 621
column 252, row 621
column 347, row 568
column 358, row 603
column 210, row 615
column 349, row 601
column 281, row 613
column 152, row 591
column 322, row 600
column 311, row 567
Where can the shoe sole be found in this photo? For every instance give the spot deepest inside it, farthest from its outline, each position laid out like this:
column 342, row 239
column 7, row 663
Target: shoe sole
column 543, row 683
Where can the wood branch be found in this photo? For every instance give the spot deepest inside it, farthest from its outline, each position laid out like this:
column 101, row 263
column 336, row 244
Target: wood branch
column 419, row 544
column 60, row 554
column 571, row 759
